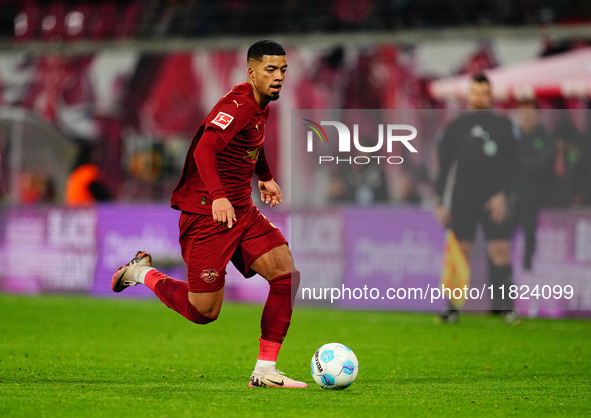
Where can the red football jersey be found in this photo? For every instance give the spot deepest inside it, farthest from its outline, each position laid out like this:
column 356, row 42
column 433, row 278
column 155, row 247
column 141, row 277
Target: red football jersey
column 224, row 154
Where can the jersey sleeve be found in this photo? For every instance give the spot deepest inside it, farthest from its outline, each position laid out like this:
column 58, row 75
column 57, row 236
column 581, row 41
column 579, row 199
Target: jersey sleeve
column 205, row 154
column 221, row 125
column 226, row 120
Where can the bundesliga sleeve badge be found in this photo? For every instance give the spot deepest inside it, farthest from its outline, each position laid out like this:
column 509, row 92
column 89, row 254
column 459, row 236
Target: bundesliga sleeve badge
column 222, row 120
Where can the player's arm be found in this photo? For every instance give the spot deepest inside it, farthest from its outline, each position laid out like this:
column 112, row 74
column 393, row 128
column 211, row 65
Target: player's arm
column 205, row 154
column 446, row 155
column 270, row 190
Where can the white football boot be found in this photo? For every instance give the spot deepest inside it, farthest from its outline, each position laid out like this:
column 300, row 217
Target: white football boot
column 273, row 378
column 124, row 277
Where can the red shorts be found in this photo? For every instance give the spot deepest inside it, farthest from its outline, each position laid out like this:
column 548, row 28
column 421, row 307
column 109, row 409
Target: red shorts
column 207, row 247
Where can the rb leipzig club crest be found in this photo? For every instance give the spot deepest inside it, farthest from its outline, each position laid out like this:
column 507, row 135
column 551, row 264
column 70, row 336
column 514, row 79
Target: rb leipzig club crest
column 209, row 275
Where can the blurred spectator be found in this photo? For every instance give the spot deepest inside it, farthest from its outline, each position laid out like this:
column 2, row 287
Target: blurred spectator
column 535, row 170
column 361, row 184
column 35, row 188
column 86, row 184
column 570, row 167
column 405, row 184
column 100, row 19
column 352, row 15
column 147, row 164
column 586, row 146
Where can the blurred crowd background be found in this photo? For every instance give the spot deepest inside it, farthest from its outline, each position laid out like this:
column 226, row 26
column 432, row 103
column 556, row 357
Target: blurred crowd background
column 99, row 99
column 105, row 19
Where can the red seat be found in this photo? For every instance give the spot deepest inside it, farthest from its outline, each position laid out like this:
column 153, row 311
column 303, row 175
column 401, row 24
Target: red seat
column 102, row 21
column 26, row 22
column 52, row 24
column 76, row 22
column 128, row 26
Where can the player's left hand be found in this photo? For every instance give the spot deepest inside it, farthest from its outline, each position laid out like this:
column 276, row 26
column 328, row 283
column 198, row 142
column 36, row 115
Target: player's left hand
column 498, row 208
column 270, row 192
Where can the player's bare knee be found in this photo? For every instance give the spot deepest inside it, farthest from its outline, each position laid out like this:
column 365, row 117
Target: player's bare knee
column 284, row 263
column 206, row 310
column 275, row 263
column 275, row 273
column 499, row 253
column 212, row 314
column 206, row 315
column 279, row 268
column 499, row 259
column 283, row 270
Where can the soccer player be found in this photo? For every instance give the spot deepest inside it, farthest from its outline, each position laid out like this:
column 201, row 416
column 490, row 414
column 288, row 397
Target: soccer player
column 219, row 222
column 482, row 146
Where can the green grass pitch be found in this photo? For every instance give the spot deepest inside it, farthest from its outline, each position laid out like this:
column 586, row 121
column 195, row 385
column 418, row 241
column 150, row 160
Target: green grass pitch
column 78, row 356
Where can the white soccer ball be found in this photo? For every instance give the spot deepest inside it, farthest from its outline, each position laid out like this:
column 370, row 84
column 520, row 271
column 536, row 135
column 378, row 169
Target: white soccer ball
column 334, row 366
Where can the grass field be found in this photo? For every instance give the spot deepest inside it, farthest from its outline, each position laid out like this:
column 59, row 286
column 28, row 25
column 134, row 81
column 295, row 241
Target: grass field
column 77, row 356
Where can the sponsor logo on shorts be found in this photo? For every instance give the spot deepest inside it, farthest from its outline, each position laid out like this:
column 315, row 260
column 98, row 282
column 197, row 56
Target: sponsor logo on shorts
column 209, row 275
column 222, row 120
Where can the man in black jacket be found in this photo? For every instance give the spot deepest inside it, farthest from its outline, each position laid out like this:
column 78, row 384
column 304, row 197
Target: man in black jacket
column 537, row 151
column 482, row 147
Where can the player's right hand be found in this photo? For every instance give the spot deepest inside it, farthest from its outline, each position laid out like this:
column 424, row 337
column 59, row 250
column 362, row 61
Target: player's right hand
column 442, row 215
column 223, row 212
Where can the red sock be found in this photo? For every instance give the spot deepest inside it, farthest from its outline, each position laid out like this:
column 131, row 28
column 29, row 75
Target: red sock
column 175, row 295
column 268, row 350
column 277, row 314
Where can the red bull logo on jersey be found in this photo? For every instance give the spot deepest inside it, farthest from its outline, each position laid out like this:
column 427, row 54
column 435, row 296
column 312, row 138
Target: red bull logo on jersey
column 252, row 154
column 387, row 136
column 222, row 120
column 209, row 275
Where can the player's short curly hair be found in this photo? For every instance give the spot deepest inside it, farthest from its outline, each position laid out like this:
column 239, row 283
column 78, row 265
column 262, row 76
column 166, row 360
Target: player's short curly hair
column 264, row 47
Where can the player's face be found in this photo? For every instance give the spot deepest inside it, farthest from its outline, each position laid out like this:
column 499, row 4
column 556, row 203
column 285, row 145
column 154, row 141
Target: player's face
column 479, row 96
column 267, row 76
